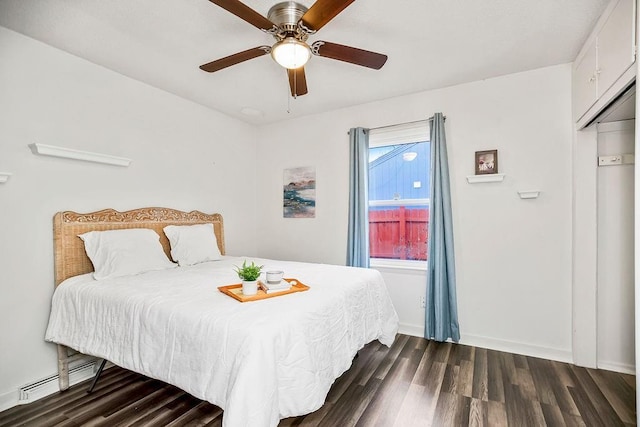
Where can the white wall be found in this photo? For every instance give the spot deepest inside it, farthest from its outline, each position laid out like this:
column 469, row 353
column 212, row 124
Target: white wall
column 615, row 303
column 513, row 256
column 184, row 156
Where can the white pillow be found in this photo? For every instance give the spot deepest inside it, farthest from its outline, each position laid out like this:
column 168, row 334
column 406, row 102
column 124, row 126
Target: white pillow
column 192, row 244
column 117, row 253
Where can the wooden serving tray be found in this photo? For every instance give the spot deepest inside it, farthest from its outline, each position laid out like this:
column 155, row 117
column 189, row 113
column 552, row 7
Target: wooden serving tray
column 235, row 291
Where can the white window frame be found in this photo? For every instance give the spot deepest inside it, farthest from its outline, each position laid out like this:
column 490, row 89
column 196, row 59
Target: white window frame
column 406, row 133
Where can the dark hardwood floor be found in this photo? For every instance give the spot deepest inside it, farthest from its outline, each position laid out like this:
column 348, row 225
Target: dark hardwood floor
column 415, row 383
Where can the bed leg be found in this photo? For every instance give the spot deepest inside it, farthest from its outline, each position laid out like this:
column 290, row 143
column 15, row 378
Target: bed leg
column 63, row 368
column 97, row 377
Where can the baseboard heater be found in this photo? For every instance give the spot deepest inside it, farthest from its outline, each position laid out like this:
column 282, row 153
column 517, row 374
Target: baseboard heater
column 84, row 370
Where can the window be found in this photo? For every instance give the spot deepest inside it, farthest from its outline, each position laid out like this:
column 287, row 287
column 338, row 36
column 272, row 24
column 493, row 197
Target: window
column 399, row 173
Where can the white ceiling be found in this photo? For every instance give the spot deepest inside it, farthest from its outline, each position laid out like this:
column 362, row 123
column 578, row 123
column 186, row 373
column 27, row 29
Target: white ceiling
column 430, row 44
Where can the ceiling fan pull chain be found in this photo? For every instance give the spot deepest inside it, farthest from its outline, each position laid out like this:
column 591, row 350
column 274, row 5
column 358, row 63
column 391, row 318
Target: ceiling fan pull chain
column 295, row 85
column 294, row 95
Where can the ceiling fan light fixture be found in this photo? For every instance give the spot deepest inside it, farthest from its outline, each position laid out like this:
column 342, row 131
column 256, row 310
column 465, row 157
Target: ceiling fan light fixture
column 291, row 53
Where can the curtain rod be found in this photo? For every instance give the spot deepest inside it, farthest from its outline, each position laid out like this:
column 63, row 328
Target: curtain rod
column 402, row 124
column 399, row 124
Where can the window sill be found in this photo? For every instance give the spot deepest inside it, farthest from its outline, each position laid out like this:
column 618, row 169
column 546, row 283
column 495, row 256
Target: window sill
column 396, row 264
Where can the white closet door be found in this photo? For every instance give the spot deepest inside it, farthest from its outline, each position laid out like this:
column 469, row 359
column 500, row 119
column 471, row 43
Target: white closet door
column 616, row 324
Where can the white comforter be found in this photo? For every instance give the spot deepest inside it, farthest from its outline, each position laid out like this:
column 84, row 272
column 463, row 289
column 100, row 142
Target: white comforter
column 260, row 361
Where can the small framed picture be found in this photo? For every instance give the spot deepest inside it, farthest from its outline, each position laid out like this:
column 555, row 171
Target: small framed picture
column 486, row 162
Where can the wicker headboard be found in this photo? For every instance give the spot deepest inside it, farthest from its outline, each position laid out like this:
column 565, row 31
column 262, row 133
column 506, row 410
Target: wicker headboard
column 69, row 255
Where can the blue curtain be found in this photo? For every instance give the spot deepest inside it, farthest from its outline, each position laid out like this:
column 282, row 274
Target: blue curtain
column 358, row 238
column 441, row 315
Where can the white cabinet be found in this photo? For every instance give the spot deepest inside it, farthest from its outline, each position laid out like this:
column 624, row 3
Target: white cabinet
column 584, row 81
column 607, row 55
column 616, row 47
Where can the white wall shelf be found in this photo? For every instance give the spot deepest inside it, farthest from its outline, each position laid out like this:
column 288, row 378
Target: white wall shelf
column 479, row 179
column 69, row 153
column 529, row 194
column 4, row 176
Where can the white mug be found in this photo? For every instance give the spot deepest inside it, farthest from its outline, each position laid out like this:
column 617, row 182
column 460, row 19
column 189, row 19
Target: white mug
column 274, row 276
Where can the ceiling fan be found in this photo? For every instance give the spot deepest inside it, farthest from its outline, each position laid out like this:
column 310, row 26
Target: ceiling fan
column 291, row 24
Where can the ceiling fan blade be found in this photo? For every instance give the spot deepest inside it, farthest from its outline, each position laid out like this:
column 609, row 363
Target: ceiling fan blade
column 297, row 82
column 349, row 54
column 322, row 12
column 244, row 12
column 234, row 59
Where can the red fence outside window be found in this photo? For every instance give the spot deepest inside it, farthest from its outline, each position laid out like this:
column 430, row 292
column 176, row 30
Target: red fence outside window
column 399, row 233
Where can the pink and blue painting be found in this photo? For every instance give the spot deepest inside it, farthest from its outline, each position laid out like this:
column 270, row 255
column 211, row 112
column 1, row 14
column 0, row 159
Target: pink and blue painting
column 299, row 193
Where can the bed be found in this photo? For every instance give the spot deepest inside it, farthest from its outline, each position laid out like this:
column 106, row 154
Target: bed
column 259, row 361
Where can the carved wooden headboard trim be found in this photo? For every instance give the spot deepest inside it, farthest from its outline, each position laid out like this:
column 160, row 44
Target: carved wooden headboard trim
column 69, row 255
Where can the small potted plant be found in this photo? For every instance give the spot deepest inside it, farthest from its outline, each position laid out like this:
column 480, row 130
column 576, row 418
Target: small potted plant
column 249, row 275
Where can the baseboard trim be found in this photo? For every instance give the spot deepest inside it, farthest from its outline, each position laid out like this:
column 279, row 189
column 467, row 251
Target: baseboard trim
column 549, row 353
column 412, row 330
column 501, row 345
column 617, row 367
column 83, row 370
column 9, row 399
